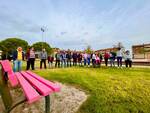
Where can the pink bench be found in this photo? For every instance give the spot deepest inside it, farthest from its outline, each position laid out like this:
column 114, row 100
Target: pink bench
column 34, row 87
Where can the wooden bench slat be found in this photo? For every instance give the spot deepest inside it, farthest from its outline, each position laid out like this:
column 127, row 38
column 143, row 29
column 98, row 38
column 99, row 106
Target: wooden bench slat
column 40, row 87
column 29, row 91
column 53, row 86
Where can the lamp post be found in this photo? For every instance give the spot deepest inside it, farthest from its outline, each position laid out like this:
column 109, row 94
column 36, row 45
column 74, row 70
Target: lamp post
column 42, row 29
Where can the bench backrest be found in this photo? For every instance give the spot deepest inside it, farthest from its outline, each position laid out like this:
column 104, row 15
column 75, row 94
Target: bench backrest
column 6, row 66
column 7, row 69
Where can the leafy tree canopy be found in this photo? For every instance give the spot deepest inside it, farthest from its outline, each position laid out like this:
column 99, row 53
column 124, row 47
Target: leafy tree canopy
column 39, row 45
column 10, row 44
column 89, row 49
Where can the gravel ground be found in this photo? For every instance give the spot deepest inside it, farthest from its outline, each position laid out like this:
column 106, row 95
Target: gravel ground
column 68, row 100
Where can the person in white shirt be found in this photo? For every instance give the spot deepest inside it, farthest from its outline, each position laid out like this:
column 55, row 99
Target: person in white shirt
column 119, row 57
column 93, row 59
column 128, row 59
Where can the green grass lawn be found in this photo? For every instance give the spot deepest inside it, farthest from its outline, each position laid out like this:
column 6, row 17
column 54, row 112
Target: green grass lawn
column 111, row 90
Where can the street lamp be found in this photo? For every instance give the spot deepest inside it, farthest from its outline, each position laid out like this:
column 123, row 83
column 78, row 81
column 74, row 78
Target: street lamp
column 43, row 30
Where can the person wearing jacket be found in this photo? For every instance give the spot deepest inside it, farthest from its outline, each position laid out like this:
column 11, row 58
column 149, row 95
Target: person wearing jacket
column 58, row 59
column 68, row 58
column 74, row 56
column 43, row 57
column 27, row 55
column 32, row 58
column 112, row 58
column 80, row 58
column 17, row 59
column 50, row 61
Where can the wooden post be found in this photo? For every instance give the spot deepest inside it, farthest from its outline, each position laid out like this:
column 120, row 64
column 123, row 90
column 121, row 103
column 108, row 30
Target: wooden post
column 5, row 91
column 47, row 104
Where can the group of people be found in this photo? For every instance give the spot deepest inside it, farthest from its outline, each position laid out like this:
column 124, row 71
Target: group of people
column 69, row 58
column 19, row 56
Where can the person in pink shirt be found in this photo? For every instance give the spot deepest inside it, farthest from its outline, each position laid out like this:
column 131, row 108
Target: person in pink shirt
column 98, row 60
column 85, row 58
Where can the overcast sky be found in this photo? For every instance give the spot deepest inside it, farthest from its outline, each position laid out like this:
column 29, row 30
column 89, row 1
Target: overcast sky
column 75, row 24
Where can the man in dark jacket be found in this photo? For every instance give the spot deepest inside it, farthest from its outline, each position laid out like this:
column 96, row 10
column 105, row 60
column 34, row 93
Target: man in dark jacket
column 68, row 58
column 74, row 56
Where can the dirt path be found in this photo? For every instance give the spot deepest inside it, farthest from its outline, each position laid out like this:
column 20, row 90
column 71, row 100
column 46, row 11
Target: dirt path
column 66, row 101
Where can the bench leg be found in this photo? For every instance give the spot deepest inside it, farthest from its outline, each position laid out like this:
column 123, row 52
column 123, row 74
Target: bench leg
column 47, row 104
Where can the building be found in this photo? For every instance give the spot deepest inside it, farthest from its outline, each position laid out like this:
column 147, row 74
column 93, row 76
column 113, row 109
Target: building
column 106, row 50
column 141, row 51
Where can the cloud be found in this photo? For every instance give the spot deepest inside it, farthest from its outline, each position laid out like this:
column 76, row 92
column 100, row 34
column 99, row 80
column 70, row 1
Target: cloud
column 75, row 24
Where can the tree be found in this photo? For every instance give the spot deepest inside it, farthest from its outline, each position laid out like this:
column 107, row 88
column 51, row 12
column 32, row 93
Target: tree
column 88, row 49
column 39, row 45
column 10, row 44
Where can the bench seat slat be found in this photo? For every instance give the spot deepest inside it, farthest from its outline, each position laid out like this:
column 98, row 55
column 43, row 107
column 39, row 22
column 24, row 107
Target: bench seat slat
column 40, row 87
column 30, row 93
column 53, row 86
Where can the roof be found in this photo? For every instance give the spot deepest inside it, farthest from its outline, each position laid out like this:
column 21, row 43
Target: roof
column 106, row 49
column 141, row 45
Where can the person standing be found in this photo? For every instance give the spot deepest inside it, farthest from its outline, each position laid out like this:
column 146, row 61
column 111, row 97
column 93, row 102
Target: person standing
column 43, row 57
column 97, row 60
column 64, row 58
column 88, row 59
column 61, row 58
column 106, row 57
column 119, row 57
column 74, row 56
column 32, row 58
column 93, row 59
column 80, row 58
column 27, row 58
column 58, row 58
column 50, row 61
column 128, row 59
column 68, row 57
column 85, row 58
column 17, row 59
column 112, row 58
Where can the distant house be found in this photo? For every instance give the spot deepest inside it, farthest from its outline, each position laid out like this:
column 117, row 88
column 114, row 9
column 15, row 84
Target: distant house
column 106, row 50
column 141, row 51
